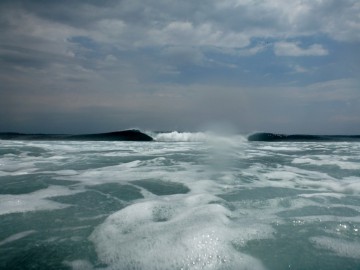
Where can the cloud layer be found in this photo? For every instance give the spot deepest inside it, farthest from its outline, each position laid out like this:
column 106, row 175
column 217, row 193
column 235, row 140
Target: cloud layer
column 75, row 66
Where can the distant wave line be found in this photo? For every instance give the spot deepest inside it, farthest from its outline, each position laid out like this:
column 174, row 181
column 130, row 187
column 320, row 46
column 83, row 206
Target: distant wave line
column 174, row 136
column 272, row 137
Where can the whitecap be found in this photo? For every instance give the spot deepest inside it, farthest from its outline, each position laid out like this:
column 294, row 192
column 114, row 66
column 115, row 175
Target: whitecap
column 34, row 201
column 157, row 235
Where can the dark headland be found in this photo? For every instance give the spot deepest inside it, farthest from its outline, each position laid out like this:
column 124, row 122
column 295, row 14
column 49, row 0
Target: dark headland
column 125, row 135
column 271, row 137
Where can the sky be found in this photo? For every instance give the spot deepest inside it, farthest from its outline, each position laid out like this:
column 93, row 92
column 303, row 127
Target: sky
column 255, row 65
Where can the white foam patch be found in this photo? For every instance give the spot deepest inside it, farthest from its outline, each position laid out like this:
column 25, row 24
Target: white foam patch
column 79, row 265
column 210, row 137
column 16, row 237
column 349, row 185
column 342, row 248
column 321, row 160
column 296, row 178
column 176, row 136
column 159, row 168
column 34, row 201
column 281, row 175
column 65, row 172
column 280, row 148
column 109, row 174
column 181, row 235
column 323, row 194
column 16, row 166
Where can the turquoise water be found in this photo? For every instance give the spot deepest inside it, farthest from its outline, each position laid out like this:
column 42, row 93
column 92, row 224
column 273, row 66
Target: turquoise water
column 182, row 202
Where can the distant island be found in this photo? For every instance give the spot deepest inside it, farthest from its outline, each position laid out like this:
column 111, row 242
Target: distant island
column 271, row 137
column 125, row 135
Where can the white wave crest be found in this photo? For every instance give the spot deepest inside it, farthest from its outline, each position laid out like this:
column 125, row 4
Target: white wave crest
column 176, row 136
column 210, row 137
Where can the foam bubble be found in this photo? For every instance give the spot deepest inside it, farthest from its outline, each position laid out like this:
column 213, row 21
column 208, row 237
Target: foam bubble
column 157, row 235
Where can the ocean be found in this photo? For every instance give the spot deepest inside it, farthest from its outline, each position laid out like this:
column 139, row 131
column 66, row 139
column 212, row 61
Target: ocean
column 182, row 201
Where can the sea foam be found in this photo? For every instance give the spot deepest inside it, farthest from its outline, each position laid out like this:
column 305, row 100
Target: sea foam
column 182, row 235
column 35, row 201
column 214, row 204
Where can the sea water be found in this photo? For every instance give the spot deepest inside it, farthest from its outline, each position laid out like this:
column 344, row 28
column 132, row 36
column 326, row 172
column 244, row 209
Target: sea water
column 183, row 201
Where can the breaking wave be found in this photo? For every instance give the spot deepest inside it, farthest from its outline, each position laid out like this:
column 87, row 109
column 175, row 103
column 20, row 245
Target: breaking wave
column 176, row 136
column 211, row 137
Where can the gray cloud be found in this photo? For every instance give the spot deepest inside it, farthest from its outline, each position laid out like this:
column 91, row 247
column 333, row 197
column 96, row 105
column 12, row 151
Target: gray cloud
column 161, row 65
column 293, row 49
